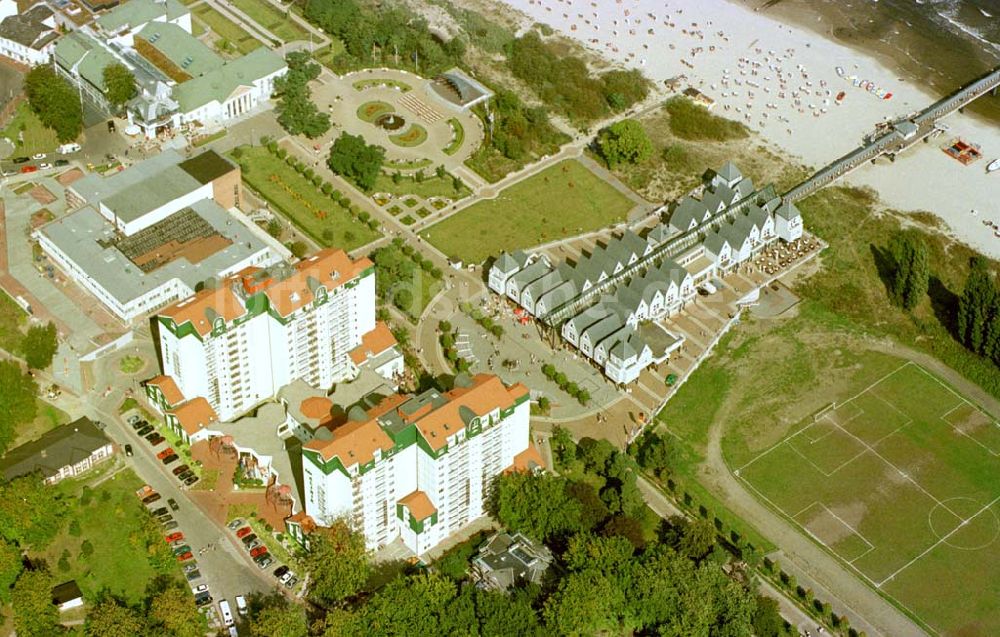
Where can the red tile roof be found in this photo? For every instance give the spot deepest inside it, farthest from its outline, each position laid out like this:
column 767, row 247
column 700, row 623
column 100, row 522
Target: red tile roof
column 373, row 343
column 486, row 393
column 171, row 393
column 316, row 407
column 331, row 268
column 419, row 505
column 195, row 309
column 194, row 415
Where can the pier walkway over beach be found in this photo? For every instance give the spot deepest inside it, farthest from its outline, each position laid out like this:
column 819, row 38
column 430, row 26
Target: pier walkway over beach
column 900, row 136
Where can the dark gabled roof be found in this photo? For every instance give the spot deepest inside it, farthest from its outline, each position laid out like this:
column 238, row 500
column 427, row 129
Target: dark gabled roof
column 62, row 446
column 207, row 167
column 66, row 592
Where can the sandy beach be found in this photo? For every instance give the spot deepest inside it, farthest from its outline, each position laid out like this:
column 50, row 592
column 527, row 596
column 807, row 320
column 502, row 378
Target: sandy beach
column 783, row 81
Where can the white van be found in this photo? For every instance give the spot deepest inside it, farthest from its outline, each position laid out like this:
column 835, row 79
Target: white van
column 241, row 605
column 66, row 149
column 227, row 614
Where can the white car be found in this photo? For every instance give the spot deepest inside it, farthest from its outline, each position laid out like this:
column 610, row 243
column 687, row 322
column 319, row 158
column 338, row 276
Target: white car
column 44, row 165
column 200, row 589
column 287, row 576
column 38, row 156
column 227, row 614
column 241, row 605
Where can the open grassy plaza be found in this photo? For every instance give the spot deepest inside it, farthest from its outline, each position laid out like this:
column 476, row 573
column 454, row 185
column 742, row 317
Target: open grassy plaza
column 268, row 16
column 226, row 29
column 900, row 482
column 562, row 200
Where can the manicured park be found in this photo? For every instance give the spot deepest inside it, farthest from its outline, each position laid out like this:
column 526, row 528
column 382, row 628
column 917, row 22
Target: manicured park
column 563, row 200
column 299, row 200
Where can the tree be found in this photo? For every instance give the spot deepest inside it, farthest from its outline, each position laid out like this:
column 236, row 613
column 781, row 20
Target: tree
column 86, row 549
column 767, row 620
column 585, row 603
column 910, row 274
column 338, row 563
column 39, row 345
column 624, row 141
column 18, row 403
column 31, row 513
column 173, row 610
column 55, row 101
column 352, row 158
column 276, row 617
column 697, row 539
column 975, row 305
column 11, row 566
column 654, row 453
column 299, row 249
column 110, row 617
column 539, row 505
column 274, row 228
column 296, row 111
column 119, row 84
column 31, row 600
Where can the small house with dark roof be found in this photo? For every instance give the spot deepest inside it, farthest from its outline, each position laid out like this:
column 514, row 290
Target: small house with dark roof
column 509, row 560
column 64, row 452
column 67, row 596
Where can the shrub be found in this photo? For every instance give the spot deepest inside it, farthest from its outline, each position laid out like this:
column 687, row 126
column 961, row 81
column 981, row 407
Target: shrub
column 326, row 188
column 282, row 153
column 444, row 326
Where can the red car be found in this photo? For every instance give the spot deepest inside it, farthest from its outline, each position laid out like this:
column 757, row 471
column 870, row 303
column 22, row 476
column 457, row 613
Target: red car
column 183, row 557
column 260, row 550
column 245, row 531
column 163, row 454
column 173, row 537
column 29, row 169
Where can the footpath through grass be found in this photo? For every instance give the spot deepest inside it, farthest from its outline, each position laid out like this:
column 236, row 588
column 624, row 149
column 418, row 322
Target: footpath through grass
column 227, row 29
column 300, row 201
column 561, row 201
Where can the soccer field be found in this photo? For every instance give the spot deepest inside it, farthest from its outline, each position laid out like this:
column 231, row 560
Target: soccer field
column 902, row 482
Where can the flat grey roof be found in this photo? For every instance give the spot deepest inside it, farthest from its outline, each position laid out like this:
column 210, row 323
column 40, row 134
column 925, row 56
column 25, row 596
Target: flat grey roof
column 78, row 235
column 134, row 201
column 94, row 188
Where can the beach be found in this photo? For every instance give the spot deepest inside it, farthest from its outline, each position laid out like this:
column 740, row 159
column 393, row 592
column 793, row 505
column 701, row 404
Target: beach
column 784, row 81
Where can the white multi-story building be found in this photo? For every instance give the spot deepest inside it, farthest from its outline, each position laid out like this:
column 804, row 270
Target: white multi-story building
column 27, row 36
column 418, row 467
column 237, row 344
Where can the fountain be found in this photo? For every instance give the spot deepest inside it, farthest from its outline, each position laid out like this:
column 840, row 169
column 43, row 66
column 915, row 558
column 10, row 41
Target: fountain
column 390, row 121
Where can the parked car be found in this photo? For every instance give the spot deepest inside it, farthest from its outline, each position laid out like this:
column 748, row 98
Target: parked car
column 263, row 561
column 182, row 549
column 281, row 570
column 168, row 525
column 155, row 439
column 44, row 165
column 227, row 614
column 29, row 169
column 173, row 504
column 152, row 497
column 143, row 430
column 193, row 575
column 128, row 450
column 203, row 599
column 163, row 454
column 190, row 566
column 248, row 539
column 291, row 581
column 287, row 576
column 173, row 537
column 235, row 524
column 59, row 163
column 252, row 545
column 183, row 557
column 260, row 550
column 245, row 531
column 160, row 511
column 181, row 469
column 166, row 517
column 189, row 481
column 171, row 458
column 21, row 160
column 151, row 435
column 241, row 605
column 39, row 156
column 134, row 418
column 203, row 588
column 71, row 147
column 186, row 474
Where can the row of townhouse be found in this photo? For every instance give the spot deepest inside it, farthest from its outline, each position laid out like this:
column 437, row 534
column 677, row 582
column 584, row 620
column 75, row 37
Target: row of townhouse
column 648, row 286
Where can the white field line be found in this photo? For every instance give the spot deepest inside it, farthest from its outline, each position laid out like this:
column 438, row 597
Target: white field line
column 962, row 401
column 944, row 538
column 789, row 437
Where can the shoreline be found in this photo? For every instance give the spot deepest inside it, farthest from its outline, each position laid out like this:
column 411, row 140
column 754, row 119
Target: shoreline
column 780, row 80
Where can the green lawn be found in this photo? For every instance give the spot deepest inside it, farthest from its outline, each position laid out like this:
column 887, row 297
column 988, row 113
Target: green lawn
column 412, row 136
column 48, row 417
column 298, row 200
column 431, row 186
column 129, row 550
column 130, row 364
column 563, row 200
column 370, row 111
column 227, row 29
column 271, row 18
column 28, row 134
column 12, row 321
column 458, row 137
